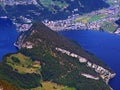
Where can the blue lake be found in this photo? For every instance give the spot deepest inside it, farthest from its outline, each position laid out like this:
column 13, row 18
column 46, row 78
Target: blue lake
column 8, row 36
column 104, row 45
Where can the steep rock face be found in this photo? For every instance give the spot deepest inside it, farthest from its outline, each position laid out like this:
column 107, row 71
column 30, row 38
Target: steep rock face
column 62, row 60
column 18, row 2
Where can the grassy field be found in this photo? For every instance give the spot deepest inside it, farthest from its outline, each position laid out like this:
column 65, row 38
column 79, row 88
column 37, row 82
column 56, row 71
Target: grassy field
column 52, row 86
column 108, row 26
column 96, row 17
column 86, row 19
column 23, row 64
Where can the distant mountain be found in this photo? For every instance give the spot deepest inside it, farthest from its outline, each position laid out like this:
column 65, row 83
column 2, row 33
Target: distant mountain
column 25, row 12
column 47, row 59
column 48, row 9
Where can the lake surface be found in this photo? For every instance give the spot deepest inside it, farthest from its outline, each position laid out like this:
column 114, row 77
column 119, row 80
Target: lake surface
column 104, row 45
column 8, row 36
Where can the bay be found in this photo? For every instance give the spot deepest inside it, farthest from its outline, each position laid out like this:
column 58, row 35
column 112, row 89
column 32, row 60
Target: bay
column 105, row 46
column 8, row 35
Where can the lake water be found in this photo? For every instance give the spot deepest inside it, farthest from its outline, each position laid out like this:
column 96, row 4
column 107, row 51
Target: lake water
column 104, row 45
column 8, row 36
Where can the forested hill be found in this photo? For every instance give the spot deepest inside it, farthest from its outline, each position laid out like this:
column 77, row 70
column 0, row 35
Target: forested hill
column 54, row 39
column 49, row 61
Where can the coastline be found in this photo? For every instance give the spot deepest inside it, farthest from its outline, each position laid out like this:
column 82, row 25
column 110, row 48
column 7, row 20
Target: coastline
column 113, row 37
column 19, row 42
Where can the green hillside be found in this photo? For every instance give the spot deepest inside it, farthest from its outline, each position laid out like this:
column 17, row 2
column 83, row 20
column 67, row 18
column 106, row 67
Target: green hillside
column 46, row 9
column 39, row 66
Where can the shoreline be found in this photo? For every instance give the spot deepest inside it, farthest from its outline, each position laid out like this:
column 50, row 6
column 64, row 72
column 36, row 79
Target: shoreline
column 112, row 75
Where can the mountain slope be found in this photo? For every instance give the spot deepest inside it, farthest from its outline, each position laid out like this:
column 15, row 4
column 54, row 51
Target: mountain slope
column 39, row 30
column 51, row 7
column 7, row 86
column 26, row 12
column 49, row 59
column 51, row 49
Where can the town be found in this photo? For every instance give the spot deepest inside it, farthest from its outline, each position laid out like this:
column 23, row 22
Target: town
column 103, row 19
column 13, row 2
column 90, row 21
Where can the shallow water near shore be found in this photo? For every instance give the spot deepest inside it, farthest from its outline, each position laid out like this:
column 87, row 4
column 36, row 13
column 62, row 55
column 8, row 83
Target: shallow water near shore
column 8, row 35
column 105, row 46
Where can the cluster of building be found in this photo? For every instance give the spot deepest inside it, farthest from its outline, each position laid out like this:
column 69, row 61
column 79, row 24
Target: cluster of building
column 24, row 25
column 117, row 31
column 18, row 2
column 28, row 45
column 105, row 74
column 71, row 24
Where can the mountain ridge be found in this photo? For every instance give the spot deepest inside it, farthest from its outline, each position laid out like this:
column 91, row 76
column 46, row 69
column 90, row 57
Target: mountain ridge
column 46, row 56
column 39, row 34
